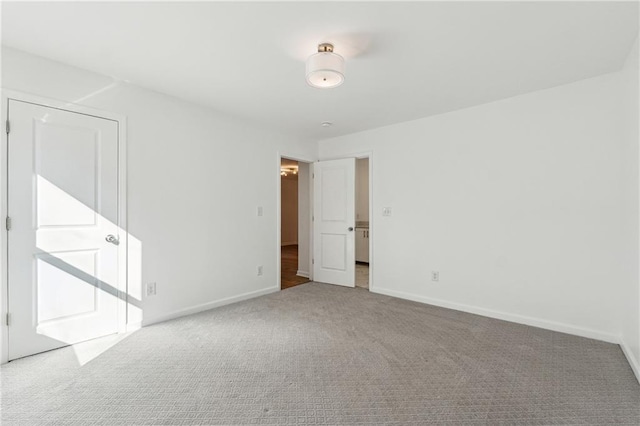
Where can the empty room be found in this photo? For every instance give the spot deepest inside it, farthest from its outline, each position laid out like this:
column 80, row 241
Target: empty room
column 320, row 213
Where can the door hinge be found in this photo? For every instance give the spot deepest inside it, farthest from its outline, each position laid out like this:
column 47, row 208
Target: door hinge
column 313, row 175
column 8, row 319
column 7, row 223
column 313, row 261
column 8, row 127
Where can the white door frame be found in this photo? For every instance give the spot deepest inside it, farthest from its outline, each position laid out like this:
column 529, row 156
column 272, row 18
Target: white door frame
column 294, row 157
column 359, row 156
column 5, row 96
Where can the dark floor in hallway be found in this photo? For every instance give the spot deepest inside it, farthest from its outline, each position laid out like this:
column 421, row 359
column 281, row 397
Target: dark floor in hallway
column 289, row 268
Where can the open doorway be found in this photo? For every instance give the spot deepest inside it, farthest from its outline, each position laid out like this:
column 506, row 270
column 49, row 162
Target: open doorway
column 342, row 216
column 362, row 223
column 295, row 223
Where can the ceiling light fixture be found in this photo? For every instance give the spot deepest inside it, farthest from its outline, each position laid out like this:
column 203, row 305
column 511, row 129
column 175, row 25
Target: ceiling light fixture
column 286, row 170
column 325, row 69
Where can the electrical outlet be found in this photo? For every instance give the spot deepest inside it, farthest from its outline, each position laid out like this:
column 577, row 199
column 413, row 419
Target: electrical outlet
column 260, row 270
column 386, row 211
column 151, row 289
column 435, row 276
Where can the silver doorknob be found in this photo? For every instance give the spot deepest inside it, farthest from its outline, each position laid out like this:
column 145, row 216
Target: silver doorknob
column 112, row 239
column 350, row 228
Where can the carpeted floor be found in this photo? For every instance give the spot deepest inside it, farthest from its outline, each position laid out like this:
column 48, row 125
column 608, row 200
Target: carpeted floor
column 321, row 354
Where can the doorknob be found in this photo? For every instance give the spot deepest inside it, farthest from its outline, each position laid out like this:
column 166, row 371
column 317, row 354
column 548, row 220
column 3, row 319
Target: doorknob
column 112, row 239
column 351, row 229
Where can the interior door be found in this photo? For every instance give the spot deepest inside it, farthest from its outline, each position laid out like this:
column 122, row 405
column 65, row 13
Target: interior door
column 334, row 222
column 63, row 240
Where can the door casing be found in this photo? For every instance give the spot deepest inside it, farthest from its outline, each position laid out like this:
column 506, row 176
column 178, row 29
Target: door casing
column 5, row 96
column 356, row 155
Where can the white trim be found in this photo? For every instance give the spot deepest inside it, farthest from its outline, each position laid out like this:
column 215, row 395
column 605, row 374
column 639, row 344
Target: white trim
column 311, row 222
column 520, row 319
column 278, row 282
column 65, row 105
column 123, row 253
column 304, row 274
column 372, row 221
column 4, row 293
column 633, row 362
column 5, row 96
column 133, row 326
column 356, row 155
column 209, row 305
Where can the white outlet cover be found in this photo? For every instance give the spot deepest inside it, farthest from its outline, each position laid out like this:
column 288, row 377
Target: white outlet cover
column 386, row 211
column 151, row 289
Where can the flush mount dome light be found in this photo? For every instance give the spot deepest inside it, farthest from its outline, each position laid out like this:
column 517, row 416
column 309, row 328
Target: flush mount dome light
column 325, row 69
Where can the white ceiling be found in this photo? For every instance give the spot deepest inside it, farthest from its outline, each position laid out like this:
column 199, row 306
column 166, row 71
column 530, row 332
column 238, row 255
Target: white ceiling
column 403, row 60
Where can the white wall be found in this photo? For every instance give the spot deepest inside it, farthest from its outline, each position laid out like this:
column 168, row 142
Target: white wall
column 304, row 218
column 516, row 203
column 192, row 209
column 289, row 210
column 523, row 205
column 630, row 297
column 362, row 190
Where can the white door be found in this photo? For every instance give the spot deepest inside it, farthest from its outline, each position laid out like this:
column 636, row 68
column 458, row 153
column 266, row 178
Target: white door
column 334, row 222
column 63, row 205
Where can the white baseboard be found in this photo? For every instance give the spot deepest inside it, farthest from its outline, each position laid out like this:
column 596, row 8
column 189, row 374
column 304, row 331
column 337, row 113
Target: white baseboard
column 520, row 319
column 209, row 305
column 633, row 362
column 133, row 326
column 302, row 274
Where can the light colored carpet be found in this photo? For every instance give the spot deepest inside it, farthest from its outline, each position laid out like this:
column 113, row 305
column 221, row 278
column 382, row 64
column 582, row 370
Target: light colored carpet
column 320, row 354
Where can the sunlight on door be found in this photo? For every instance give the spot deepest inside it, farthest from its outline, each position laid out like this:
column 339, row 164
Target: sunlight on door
column 67, row 258
column 68, row 283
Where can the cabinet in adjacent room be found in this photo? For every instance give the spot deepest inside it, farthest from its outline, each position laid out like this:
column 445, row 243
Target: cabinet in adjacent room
column 362, row 245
